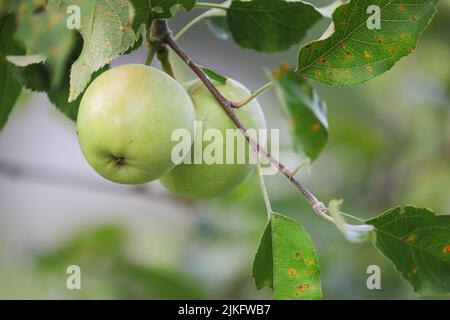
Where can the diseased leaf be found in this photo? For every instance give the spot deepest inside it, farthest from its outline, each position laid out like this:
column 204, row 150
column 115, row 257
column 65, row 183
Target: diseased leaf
column 107, row 32
column 270, row 25
column 418, row 243
column 44, row 32
column 305, row 111
column 263, row 264
column 59, row 96
column 286, row 261
column 9, row 88
column 354, row 53
column 213, row 75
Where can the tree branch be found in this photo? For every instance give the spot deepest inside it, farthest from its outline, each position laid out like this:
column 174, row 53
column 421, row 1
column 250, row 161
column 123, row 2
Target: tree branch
column 227, row 105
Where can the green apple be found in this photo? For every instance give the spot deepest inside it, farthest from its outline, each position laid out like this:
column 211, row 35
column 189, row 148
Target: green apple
column 126, row 119
column 201, row 181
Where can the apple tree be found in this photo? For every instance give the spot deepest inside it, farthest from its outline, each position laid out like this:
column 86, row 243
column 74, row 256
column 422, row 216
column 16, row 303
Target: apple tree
column 125, row 115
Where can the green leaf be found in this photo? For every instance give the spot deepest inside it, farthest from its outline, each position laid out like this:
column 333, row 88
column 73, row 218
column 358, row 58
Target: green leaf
column 219, row 27
column 26, row 60
column 44, row 32
column 287, row 262
column 418, row 243
column 141, row 10
column 213, row 75
column 270, row 25
column 107, row 33
column 9, row 88
column 164, row 9
column 305, row 111
column 354, row 53
column 59, row 96
column 34, row 77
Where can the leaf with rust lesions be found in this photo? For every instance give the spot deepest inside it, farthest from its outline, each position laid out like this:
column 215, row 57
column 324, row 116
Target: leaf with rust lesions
column 418, row 243
column 304, row 110
column 353, row 53
column 107, row 31
column 287, row 262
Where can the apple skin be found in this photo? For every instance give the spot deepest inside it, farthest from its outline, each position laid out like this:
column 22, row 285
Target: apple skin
column 126, row 119
column 203, row 181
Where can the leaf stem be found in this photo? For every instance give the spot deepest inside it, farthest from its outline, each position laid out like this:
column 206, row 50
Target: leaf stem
column 195, row 21
column 211, row 5
column 227, row 105
column 151, row 53
column 255, row 94
column 163, row 56
column 263, row 187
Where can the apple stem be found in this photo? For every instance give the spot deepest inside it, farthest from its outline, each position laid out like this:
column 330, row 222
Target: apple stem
column 227, row 105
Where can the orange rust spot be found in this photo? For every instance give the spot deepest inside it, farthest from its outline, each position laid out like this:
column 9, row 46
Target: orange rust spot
column 344, row 23
column 409, row 239
column 314, row 127
column 369, row 68
column 276, row 74
column 292, row 272
column 401, row 8
column 348, row 54
column 379, row 40
column 446, row 249
column 414, row 270
column 405, row 36
column 337, row 73
column 330, row 73
column 323, row 59
column 309, row 262
column 342, row 46
column 122, row 29
column 413, row 18
column 367, row 54
column 284, row 68
column 318, row 74
column 298, row 255
column 410, row 50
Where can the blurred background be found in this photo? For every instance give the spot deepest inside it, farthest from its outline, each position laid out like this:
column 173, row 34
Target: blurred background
column 389, row 145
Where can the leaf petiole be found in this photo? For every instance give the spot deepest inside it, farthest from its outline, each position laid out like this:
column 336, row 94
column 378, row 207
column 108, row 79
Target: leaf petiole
column 196, row 20
column 211, row 5
column 255, row 94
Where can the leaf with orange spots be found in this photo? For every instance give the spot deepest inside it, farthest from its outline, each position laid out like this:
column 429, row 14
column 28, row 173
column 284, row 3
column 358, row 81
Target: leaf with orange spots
column 44, row 33
column 107, row 31
column 418, row 243
column 287, row 262
column 353, row 53
column 305, row 111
